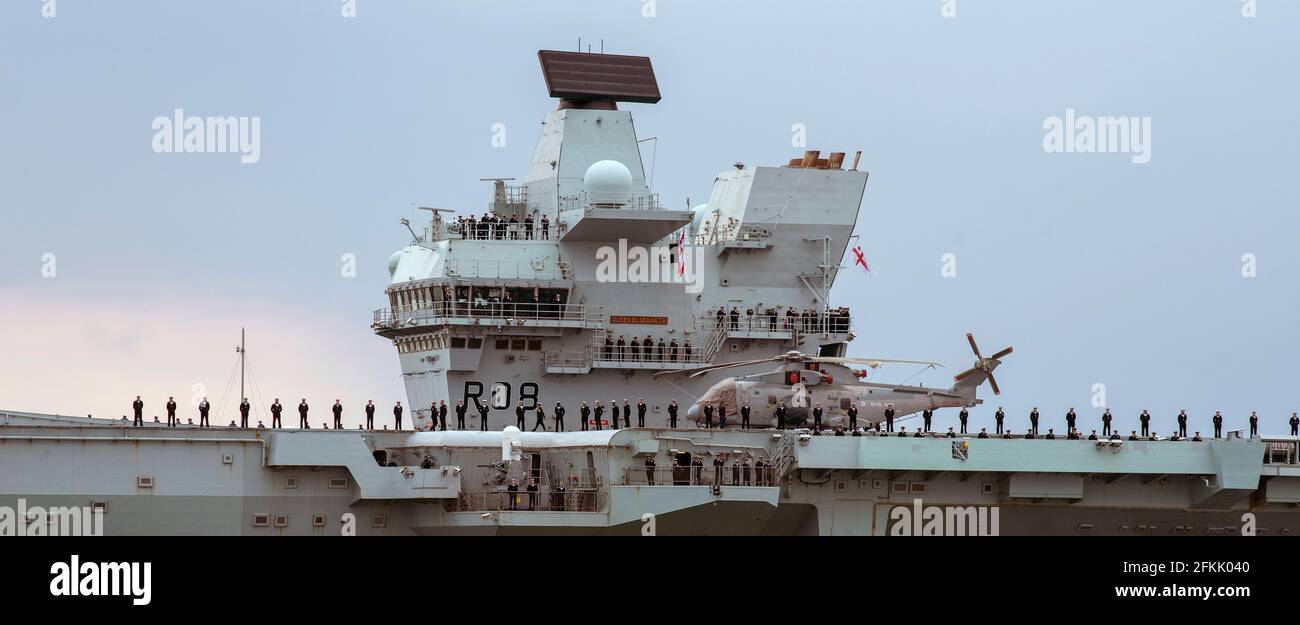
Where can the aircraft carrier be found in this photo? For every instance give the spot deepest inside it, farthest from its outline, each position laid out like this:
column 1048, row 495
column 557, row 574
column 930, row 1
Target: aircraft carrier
column 579, row 286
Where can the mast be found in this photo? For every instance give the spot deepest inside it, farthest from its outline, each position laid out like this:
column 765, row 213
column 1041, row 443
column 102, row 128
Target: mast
column 241, row 350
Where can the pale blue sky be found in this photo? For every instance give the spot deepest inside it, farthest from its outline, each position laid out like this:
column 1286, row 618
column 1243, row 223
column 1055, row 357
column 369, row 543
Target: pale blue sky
column 1095, row 269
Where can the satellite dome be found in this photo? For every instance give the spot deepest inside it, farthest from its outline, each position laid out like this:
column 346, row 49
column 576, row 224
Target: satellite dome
column 608, row 181
column 700, row 211
column 393, row 260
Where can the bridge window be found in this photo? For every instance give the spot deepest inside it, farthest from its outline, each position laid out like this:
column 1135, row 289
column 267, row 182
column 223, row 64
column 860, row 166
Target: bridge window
column 458, row 342
column 534, row 345
column 476, row 343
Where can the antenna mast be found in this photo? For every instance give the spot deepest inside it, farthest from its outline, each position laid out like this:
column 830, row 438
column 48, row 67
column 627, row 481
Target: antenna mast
column 240, row 350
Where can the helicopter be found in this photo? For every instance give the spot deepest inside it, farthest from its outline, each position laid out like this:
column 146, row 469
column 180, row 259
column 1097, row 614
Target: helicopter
column 804, row 381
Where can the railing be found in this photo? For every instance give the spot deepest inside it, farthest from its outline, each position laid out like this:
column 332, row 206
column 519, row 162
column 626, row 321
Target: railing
column 441, row 312
column 723, row 233
column 761, row 321
column 504, row 231
column 623, row 201
column 508, row 269
column 784, row 458
column 544, row 499
column 708, row 475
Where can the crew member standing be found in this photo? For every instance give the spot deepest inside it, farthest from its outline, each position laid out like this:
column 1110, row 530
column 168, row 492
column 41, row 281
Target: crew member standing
column 640, row 412
column 541, row 418
column 276, row 409
column 722, row 414
column 818, row 412
column 1218, row 424
column 137, row 407
column 584, row 414
column 171, row 412
column 1254, row 424
column 926, row 416
column 302, row 414
column 482, row 415
column 397, row 416
column 744, row 415
column 998, row 418
column 442, row 415
column 559, row 417
column 1069, row 420
column 1182, row 423
column 370, row 414
column 1033, row 421
column 243, row 413
column 1105, row 423
column 672, row 415
column 889, row 418
column 627, row 414
column 1145, row 420
column 708, row 416
column 600, row 410
column 460, row 414
column 650, row 470
column 1295, row 425
column 963, row 416
column 519, row 415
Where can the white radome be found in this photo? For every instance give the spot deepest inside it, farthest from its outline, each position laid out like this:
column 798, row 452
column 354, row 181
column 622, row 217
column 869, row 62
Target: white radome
column 607, row 181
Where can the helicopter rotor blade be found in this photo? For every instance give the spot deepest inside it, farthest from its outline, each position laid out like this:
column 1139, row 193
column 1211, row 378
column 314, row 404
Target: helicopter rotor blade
column 873, row 362
column 696, row 371
column 1000, row 354
column 973, row 347
column 966, row 373
column 994, row 384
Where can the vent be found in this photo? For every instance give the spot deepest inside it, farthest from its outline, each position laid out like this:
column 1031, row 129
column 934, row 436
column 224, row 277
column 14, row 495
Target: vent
column 878, row 484
column 841, row 486
column 864, row 483
column 282, row 520
column 338, row 482
column 99, row 505
column 378, row 521
column 900, row 488
column 144, row 481
column 987, row 488
column 318, row 520
column 919, row 488
column 291, row 482
column 261, row 519
column 227, row 458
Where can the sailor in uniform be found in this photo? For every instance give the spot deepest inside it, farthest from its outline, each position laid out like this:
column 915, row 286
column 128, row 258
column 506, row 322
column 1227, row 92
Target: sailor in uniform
column 541, row 419
column 519, row 415
column 1182, row 423
column 337, row 409
column 559, row 417
column 460, row 414
column 584, row 414
column 627, row 414
column 708, row 416
column 276, row 409
column 889, row 418
column 963, row 416
column 302, row 414
column 1218, row 424
column 171, row 412
column 672, row 414
column 1295, row 425
column 1069, row 420
column 600, row 410
column 998, row 418
column 780, row 415
column 640, row 412
column 482, row 415
column 1145, row 420
column 650, row 470
column 137, row 407
column 244, row 408
column 204, row 406
column 744, row 415
column 926, row 415
column 397, row 416
column 442, row 415
column 1105, row 423
column 370, row 414
column 1033, row 421
column 818, row 412
column 1254, row 424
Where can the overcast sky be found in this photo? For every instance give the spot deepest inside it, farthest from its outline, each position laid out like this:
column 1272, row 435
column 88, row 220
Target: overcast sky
column 1098, row 270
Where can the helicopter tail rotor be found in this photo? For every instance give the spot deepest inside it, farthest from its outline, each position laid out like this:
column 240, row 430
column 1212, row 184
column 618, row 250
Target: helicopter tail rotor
column 983, row 366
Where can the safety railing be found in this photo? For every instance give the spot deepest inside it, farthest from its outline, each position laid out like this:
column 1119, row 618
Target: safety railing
column 624, row 201
column 544, row 499
column 443, row 311
column 776, row 321
column 729, row 474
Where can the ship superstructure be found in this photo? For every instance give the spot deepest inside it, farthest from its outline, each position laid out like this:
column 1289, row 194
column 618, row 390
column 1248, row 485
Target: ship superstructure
column 548, row 307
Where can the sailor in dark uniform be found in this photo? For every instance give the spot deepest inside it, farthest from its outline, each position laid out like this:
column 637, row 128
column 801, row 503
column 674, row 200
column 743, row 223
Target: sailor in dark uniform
column 519, row 415
column 559, row 417
column 672, row 350
column 627, row 414
column 483, row 409
column 1218, row 424
column 744, row 416
column 1145, row 420
column 1254, row 424
column 818, row 412
column 512, row 495
column 460, row 414
column 634, row 349
column 276, row 409
column 609, row 348
column 1033, row 421
column 204, row 406
column 650, row 470
column 1105, row 423
column 302, row 414
column 137, row 407
column 442, row 415
column 171, row 412
column 584, row 415
column 397, row 416
column 926, row 415
column 735, row 318
column 337, row 409
column 780, row 415
column 621, row 345
column 717, row 469
column 244, row 409
column 1069, row 420
column 600, row 410
column 640, row 412
column 672, row 414
column 541, row 419
column 1182, row 423
column 722, row 414
column 963, row 416
column 1295, row 425
column 708, row 416
column 998, row 418
column 370, row 414
column 889, row 418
